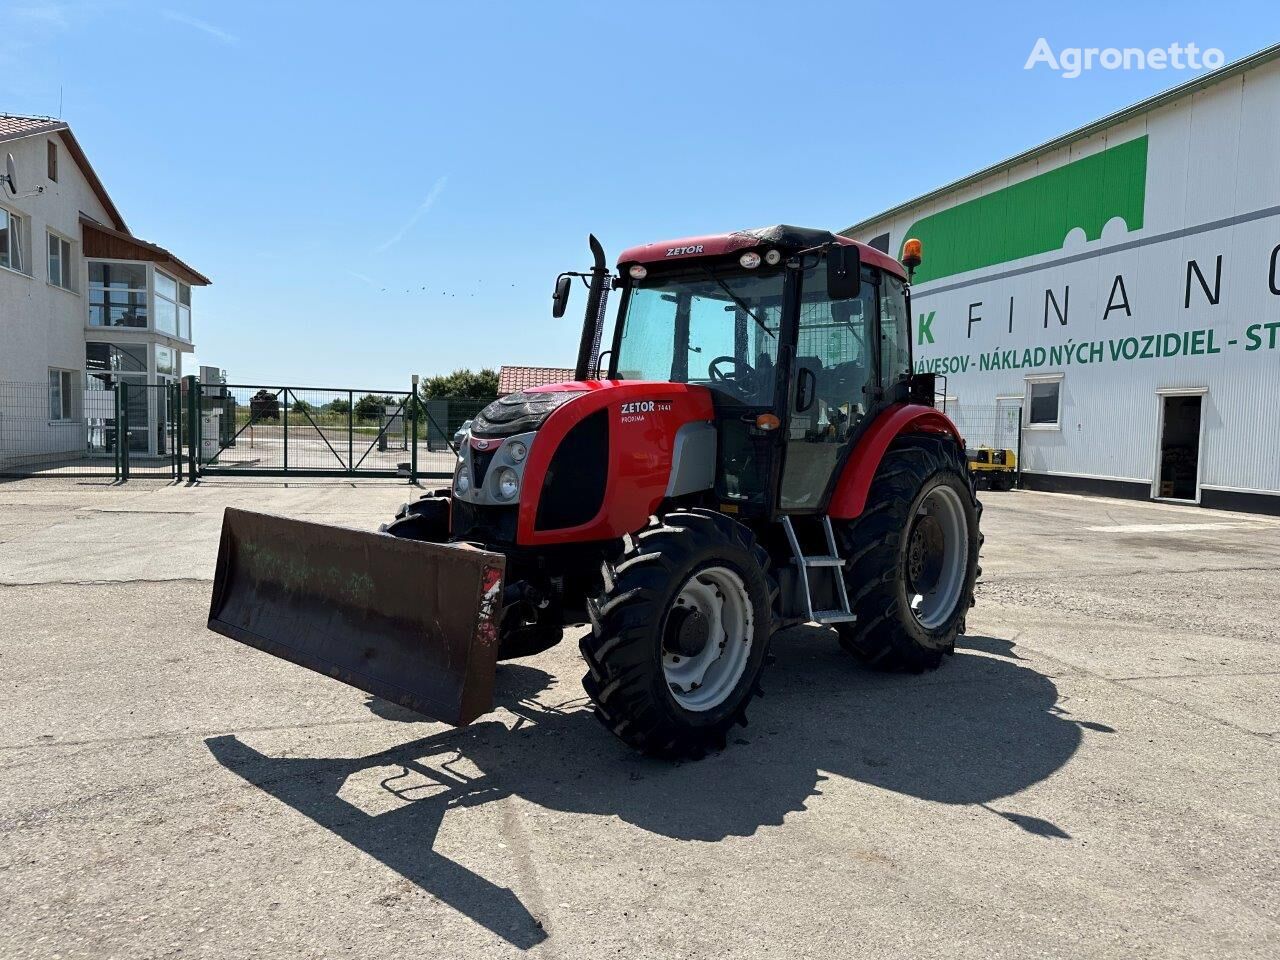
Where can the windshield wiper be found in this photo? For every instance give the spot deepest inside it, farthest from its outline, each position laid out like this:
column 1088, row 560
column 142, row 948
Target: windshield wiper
column 736, row 299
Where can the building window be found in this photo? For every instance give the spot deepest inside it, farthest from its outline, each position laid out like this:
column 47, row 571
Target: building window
column 166, row 304
column 117, row 294
column 61, row 270
column 10, row 240
column 53, row 160
column 1044, row 401
column 60, row 394
column 115, row 358
column 184, row 311
column 166, row 360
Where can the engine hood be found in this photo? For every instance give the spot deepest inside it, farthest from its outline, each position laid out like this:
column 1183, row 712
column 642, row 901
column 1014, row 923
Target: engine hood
column 521, row 412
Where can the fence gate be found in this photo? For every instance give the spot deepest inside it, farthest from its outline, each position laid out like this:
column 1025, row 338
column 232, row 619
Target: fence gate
column 267, row 430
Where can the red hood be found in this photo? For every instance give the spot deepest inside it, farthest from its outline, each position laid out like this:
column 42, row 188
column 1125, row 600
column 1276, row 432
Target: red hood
column 785, row 238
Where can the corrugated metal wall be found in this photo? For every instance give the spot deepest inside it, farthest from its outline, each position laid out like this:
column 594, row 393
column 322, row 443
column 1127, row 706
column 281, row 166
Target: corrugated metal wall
column 1212, row 190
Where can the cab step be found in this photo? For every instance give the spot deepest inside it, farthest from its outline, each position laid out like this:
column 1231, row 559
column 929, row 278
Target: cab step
column 832, row 561
column 833, row 616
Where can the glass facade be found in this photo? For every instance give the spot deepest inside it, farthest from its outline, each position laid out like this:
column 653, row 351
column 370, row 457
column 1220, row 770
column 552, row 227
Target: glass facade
column 120, row 296
column 117, row 294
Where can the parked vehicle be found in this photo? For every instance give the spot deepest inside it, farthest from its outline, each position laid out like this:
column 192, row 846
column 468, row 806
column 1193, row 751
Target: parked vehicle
column 756, row 454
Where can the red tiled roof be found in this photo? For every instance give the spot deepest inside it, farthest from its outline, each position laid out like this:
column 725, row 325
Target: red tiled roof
column 511, row 379
column 13, row 126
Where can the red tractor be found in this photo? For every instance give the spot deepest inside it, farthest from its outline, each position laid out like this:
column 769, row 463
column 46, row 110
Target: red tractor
column 751, row 451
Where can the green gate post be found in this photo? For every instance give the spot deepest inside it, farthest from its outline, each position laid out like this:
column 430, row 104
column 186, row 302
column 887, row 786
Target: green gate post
column 193, row 427
column 284, row 395
column 171, row 426
column 351, row 443
column 413, row 432
column 117, row 463
column 122, row 430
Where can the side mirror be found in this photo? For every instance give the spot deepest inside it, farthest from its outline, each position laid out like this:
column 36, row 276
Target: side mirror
column 844, row 272
column 560, row 299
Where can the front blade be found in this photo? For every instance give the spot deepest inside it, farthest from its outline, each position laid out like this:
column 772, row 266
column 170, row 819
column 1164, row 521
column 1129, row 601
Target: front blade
column 414, row 623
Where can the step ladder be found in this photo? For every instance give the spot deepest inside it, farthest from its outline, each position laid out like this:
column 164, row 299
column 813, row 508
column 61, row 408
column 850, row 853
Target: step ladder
column 831, row 561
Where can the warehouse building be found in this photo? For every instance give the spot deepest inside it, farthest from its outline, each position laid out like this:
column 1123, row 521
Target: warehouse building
column 1110, row 300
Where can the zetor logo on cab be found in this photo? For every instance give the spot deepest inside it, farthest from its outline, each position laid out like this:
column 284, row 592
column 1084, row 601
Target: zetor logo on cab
column 683, row 251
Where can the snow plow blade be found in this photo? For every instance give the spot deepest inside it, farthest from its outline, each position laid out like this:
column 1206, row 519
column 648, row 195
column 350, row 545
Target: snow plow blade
column 414, row 623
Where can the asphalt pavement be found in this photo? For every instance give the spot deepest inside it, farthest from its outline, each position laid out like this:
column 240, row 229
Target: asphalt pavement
column 1095, row 773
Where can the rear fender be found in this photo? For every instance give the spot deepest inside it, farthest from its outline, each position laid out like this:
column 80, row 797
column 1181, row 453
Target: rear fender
column 850, row 495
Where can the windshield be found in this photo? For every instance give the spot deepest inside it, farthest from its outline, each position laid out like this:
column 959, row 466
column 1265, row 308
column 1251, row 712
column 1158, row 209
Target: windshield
column 713, row 327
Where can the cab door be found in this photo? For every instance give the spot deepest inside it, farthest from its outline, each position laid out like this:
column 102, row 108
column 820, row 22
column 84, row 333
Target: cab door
column 835, row 389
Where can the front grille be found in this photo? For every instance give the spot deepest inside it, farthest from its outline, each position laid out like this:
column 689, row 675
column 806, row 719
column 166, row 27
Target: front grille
column 480, row 460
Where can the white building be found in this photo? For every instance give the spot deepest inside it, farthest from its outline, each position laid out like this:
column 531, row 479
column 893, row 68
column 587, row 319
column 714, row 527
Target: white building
column 1120, row 286
column 84, row 304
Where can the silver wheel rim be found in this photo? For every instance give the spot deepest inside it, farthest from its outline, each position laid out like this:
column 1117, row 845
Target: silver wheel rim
column 937, row 557
column 704, row 680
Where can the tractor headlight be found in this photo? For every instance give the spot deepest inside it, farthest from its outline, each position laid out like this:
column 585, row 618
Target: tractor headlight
column 517, row 451
column 463, row 482
column 507, row 483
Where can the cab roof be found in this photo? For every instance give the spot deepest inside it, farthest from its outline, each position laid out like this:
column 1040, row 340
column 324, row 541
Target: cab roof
column 784, row 237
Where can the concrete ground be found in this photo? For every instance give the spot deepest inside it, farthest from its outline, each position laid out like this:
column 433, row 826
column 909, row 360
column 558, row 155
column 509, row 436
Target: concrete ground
column 1094, row 773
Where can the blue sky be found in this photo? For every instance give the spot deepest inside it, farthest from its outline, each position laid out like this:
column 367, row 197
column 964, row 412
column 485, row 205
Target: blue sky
column 381, row 189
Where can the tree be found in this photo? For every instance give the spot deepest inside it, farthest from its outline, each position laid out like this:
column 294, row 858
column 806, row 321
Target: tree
column 464, row 384
column 372, row 406
column 338, row 407
column 264, row 405
column 301, row 406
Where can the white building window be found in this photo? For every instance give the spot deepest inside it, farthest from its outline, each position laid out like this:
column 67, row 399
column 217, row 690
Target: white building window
column 61, row 268
column 1044, row 401
column 61, row 394
column 117, row 294
column 173, row 306
column 11, row 241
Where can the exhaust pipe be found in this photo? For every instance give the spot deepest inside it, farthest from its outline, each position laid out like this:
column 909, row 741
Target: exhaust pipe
column 593, row 322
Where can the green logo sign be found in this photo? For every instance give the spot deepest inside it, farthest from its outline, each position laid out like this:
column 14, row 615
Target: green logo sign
column 1035, row 215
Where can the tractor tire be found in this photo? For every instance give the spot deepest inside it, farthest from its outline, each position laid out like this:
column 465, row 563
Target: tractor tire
column 912, row 556
column 426, row 518
column 680, row 633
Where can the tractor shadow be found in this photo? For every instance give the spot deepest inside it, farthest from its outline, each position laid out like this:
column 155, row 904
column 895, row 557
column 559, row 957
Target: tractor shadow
column 982, row 728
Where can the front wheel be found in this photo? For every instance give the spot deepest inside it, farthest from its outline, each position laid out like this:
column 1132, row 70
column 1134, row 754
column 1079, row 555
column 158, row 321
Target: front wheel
column 913, row 556
column 679, row 634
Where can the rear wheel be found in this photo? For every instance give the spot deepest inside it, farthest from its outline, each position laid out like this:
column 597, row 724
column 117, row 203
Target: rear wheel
column 912, row 556
column 679, row 634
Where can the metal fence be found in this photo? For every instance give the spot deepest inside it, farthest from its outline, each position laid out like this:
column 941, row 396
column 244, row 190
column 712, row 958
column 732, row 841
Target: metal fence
column 270, row 430
column 996, row 427
column 103, row 424
column 98, row 425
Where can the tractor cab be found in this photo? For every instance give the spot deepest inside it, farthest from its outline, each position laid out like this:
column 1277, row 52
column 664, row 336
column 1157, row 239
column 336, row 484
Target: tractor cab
column 802, row 338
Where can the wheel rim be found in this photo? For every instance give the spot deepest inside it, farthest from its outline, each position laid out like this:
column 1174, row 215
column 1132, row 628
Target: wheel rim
column 707, row 635
column 937, row 557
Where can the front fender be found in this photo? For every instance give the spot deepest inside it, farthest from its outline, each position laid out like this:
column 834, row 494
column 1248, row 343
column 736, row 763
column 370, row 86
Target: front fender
column 850, row 495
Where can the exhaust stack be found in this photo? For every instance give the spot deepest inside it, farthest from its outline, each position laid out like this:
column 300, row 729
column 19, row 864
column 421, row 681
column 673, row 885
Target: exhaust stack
column 593, row 321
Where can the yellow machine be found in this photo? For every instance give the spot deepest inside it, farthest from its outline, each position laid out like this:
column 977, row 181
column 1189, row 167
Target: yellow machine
column 993, row 469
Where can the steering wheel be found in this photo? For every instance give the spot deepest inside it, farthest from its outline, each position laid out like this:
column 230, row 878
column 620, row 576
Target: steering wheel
column 741, row 370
